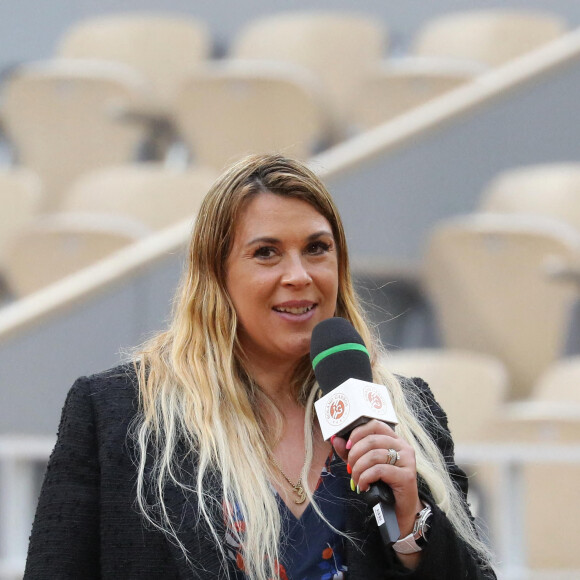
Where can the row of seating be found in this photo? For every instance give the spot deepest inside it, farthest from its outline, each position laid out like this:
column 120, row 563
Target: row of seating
column 495, row 280
column 127, row 87
column 504, row 287
column 505, row 281
column 68, row 117
column 336, row 45
column 104, row 211
column 473, row 388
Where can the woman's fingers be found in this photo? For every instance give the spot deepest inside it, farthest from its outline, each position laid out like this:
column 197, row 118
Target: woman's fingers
column 372, row 427
column 374, row 452
column 391, row 462
column 362, row 438
column 339, row 445
column 374, row 435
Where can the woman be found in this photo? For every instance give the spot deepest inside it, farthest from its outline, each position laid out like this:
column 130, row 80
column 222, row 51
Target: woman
column 204, row 459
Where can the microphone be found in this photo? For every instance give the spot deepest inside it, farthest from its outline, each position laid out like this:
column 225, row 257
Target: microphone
column 342, row 367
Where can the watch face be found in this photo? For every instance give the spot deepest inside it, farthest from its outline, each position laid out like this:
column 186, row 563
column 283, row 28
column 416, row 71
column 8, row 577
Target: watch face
column 422, row 525
column 415, row 541
column 421, row 540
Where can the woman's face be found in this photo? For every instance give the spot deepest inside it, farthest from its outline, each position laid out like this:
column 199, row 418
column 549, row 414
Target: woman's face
column 282, row 276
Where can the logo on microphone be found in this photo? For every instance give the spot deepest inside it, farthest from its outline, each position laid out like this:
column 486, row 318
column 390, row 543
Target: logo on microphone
column 375, row 400
column 337, row 409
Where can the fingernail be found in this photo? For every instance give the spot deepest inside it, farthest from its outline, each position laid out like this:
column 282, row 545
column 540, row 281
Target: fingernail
column 348, row 469
column 352, row 485
column 332, row 439
column 349, row 444
column 357, row 489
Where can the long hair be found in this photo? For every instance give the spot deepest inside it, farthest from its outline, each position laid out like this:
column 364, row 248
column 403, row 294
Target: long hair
column 198, row 401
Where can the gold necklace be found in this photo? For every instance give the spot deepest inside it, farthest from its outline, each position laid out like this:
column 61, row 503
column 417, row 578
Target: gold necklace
column 297, row 487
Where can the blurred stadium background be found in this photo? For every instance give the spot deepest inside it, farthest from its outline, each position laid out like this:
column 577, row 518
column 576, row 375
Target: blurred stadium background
column 448, row 133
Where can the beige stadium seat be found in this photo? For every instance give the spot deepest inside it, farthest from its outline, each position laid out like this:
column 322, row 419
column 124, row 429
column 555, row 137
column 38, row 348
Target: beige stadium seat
column 20, row 199
column 551, row 416
column 338, row 47
column 491, row 36
column 551, row 544
column 226, row 111
column 557, row 396
column 399, row 85
column 165, row 48
column 491, row 281
column 152, row 194
column 57, row 245
column 471, row 387
column 560, row 382
column 549, row 189
column 552, row 411
column 67, row 117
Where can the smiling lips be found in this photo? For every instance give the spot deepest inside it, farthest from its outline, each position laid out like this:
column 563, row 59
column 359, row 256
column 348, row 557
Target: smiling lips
column 295, row 308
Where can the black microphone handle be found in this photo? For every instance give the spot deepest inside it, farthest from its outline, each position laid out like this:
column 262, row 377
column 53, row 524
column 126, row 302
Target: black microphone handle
column 380, row 496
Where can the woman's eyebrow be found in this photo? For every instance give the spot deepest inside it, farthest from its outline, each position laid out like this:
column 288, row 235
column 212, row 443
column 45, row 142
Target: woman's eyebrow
column 272, row 240
column 263, row 239
column 319, row 235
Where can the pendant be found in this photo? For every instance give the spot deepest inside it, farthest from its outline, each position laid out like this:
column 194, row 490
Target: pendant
column 299, row 491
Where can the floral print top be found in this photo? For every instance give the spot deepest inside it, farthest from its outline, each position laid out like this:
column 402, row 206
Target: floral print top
column 311, row 550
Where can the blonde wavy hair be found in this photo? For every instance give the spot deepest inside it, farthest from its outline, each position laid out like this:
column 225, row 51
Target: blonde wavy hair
column 196, row 394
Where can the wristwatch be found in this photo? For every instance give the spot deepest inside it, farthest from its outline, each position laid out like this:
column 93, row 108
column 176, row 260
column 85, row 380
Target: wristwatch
column 415, row 541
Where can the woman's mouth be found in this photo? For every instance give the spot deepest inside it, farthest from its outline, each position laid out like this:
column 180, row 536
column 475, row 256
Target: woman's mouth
column 294, row 309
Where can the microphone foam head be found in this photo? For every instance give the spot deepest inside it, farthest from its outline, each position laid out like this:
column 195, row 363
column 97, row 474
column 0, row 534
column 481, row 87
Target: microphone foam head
column 338, row 353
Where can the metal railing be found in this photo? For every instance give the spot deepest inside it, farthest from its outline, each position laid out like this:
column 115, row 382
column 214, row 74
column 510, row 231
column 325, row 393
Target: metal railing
column 22, row 462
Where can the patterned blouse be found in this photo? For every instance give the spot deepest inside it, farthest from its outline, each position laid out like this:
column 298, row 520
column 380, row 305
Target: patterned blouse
column 311, row 550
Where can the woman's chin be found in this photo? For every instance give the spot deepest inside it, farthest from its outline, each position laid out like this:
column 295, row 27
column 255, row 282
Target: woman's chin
column 299, row 349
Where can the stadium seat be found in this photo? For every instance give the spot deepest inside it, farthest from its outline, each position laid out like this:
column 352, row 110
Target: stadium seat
column 228, row 110
column 491, row 281
column 492, row 36
column 20, row 199
column 550, row 416
column 470, row 386
column 549, row 189
column 399, row 85
column 56, row 245
column 67, row 117
column 150, row 193
column 338, row 47
column 164, row 48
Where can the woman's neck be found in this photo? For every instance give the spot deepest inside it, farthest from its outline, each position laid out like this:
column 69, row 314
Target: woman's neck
column 275, row 381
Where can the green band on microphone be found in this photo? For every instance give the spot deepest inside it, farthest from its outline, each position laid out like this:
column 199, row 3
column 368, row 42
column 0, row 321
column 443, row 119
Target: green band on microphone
column 339, row 348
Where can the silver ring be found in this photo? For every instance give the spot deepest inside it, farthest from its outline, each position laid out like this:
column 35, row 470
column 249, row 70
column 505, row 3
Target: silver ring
column 393, row 457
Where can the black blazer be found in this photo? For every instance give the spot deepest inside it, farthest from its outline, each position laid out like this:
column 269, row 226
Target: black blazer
column 88, row 526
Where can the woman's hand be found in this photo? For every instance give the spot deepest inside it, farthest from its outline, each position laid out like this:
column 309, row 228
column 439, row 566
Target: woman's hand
column 366, row 455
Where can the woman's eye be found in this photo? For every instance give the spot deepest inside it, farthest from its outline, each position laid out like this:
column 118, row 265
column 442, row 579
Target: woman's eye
column 265, row 252
column 317, row 248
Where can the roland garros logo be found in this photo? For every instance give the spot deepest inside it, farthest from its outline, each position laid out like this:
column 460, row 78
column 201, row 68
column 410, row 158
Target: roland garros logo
column 337, row 410
column 375, row 400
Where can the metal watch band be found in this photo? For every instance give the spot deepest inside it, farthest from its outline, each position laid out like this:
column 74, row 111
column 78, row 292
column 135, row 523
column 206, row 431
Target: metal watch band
column 415, row 541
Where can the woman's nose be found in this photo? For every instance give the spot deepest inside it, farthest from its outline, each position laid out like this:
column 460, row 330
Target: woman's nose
column 296, row 272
